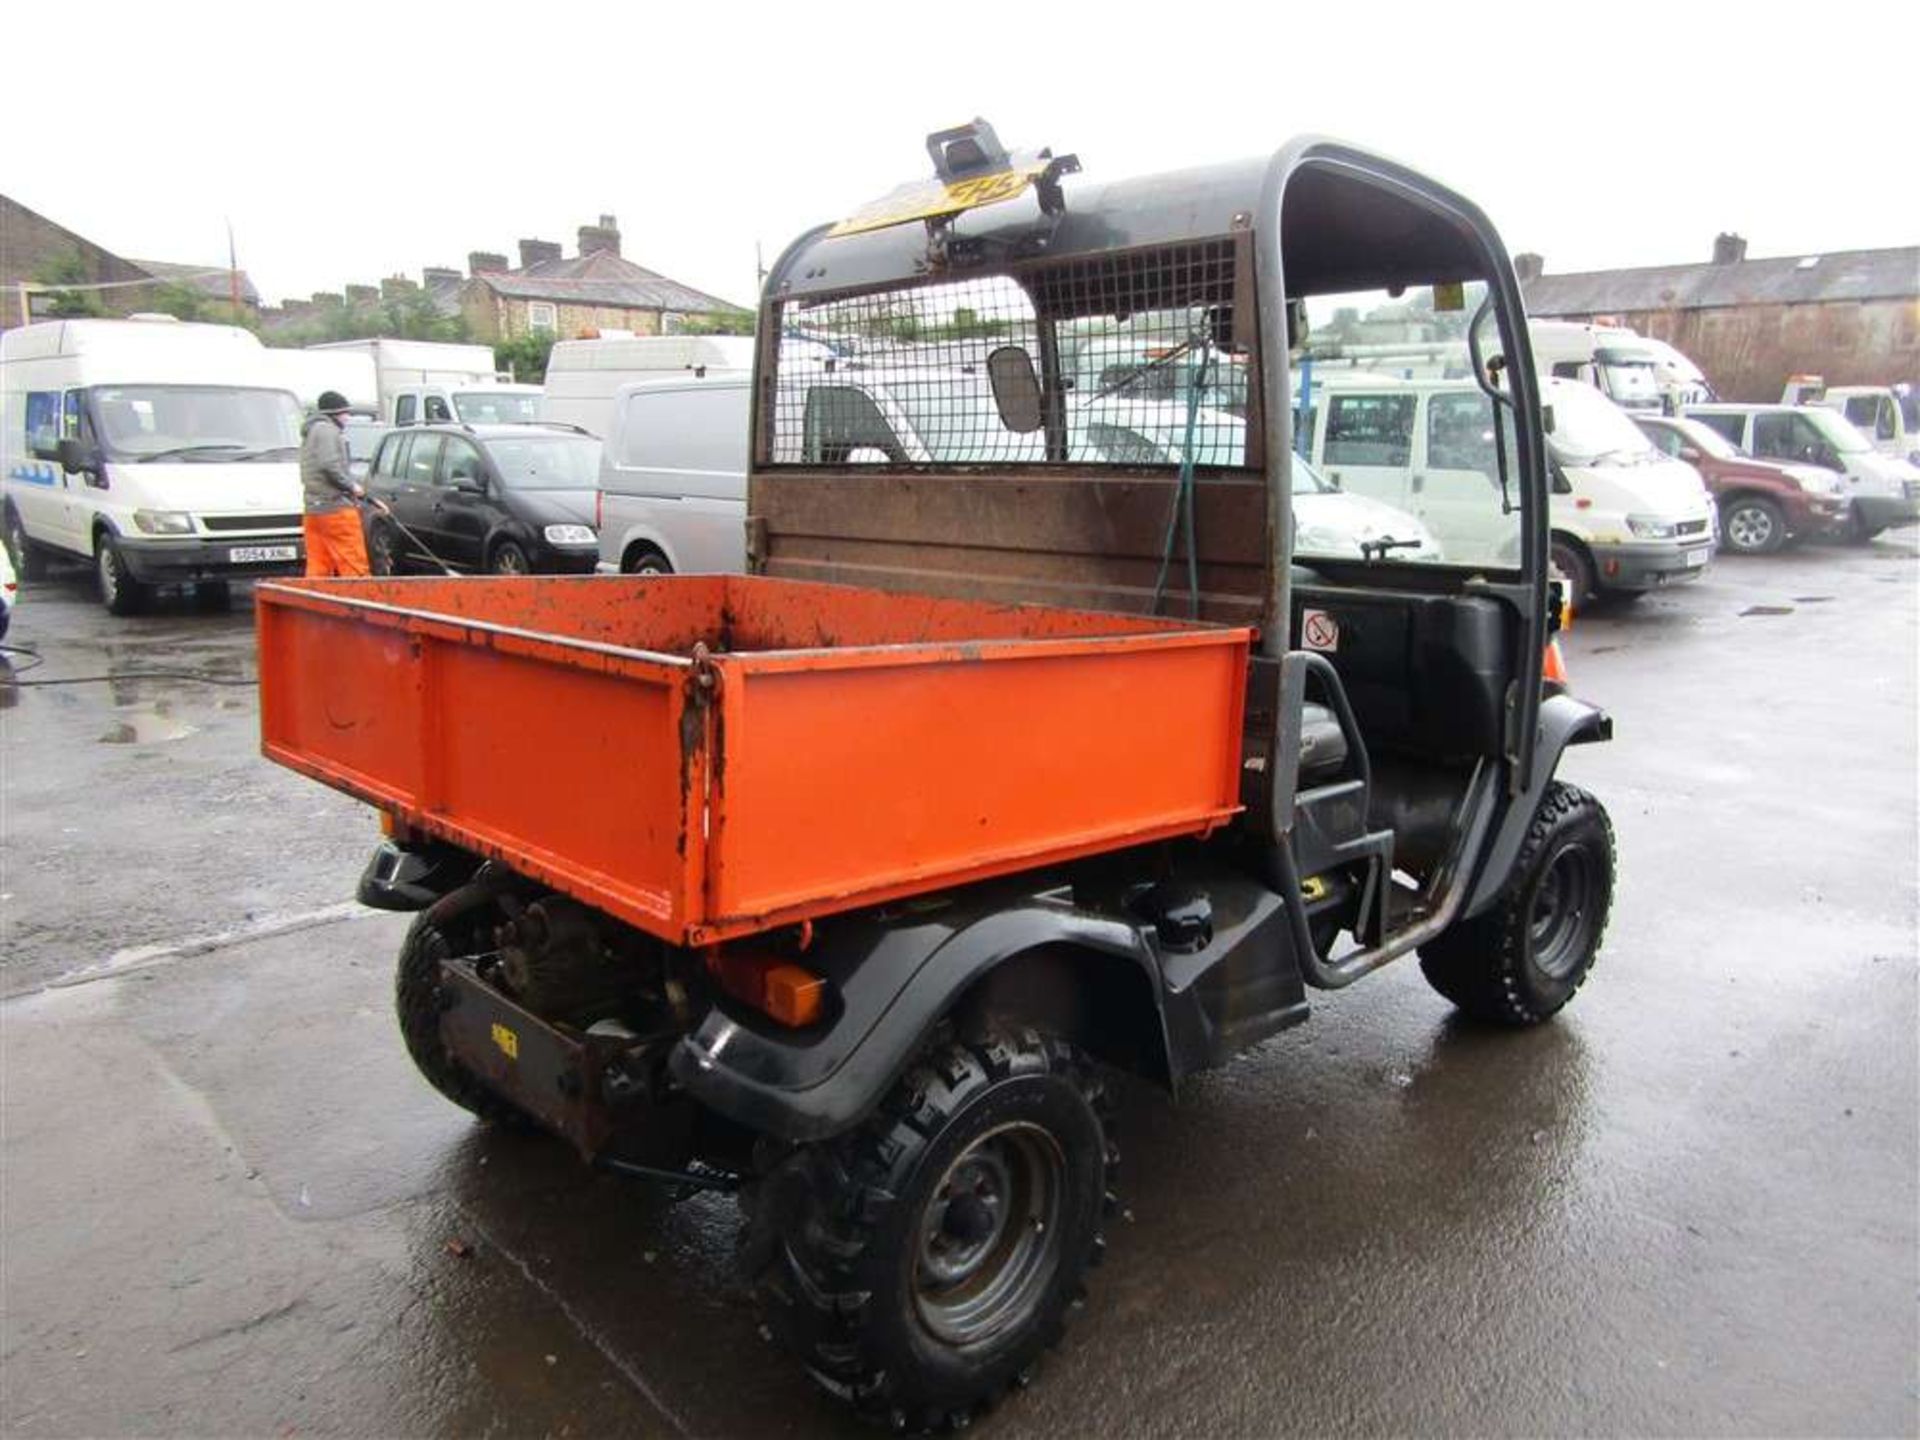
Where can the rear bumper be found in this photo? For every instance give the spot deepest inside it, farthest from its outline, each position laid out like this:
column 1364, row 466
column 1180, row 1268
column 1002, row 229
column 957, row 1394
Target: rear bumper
column 156, row 561
column 1649, row 567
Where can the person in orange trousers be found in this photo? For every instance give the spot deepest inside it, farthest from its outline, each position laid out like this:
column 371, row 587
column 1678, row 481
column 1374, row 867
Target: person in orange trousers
column 336, row 545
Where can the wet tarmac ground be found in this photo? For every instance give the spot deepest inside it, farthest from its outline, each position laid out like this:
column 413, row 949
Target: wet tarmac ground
column 227, row 1206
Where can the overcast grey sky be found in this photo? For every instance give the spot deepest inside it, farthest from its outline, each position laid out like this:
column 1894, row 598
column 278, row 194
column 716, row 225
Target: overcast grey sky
column 382, row 138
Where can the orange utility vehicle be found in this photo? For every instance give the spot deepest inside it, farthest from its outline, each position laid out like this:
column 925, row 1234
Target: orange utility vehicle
column 1034, row 741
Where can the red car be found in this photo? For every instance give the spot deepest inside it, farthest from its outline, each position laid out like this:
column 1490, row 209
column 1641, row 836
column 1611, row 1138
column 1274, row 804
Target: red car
column 1763, row 503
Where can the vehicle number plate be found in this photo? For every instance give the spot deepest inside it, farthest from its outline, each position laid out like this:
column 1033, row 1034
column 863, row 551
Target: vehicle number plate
column 255, row 554
column 1696, row 558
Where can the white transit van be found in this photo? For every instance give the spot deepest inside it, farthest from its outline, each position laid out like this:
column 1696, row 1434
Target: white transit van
column 1624, row 518
column 156, row 451
column 1888, row 415
column 583, row 376
column 435, row 382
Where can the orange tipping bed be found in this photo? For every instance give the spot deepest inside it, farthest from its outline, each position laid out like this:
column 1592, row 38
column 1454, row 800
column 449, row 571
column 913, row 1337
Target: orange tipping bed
column 705, row 756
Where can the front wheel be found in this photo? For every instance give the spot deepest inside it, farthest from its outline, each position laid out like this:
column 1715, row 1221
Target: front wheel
column 1568, row 564
column 1519, row 962
column 1753, row 525
column 1858, row 531
column 920, row 1265
column 383, row 550
column 119, row 591
column 29, row 560
column 510, row 559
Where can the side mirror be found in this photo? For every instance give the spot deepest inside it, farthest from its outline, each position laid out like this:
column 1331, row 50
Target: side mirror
column 1546, row 419
column 1689, row 454
column 76, row 458
column 1016, row 389
column 470, row 485
column 1561, row 485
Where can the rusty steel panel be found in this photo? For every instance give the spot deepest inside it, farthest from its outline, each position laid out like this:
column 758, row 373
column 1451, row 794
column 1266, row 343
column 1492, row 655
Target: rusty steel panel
column 708, row 756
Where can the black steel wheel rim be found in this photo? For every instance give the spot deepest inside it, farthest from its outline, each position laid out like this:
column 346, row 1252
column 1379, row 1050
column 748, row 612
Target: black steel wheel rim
column 510, row 562
column 989, row 1236
column 1561, row 924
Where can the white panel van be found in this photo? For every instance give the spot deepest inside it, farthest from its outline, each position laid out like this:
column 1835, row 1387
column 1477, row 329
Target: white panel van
column 158, row 452
column 673, row 476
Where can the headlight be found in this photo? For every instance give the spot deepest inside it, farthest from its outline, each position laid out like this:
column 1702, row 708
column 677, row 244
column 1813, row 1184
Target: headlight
column 1648, row 528
column 570, row 535
column 163, row 522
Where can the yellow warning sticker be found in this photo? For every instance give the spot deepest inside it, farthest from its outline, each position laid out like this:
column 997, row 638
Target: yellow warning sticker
column 508, row 1042
column 1449, row 295
column 1313, row 888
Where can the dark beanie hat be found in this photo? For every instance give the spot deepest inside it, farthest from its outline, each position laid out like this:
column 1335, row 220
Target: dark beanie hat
column 330, row 401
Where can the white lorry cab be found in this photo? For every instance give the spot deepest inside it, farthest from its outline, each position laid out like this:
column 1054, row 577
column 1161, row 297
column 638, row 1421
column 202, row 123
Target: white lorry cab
column 583, row 376
column 434, row 382
column 1624, row 518
column 158, row 452
column 1888, row 415
column 1632, row 371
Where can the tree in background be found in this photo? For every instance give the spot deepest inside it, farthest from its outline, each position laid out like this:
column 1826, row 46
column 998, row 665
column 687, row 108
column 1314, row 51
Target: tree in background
column 719, row 322
column 525, row 356
column 68, row 269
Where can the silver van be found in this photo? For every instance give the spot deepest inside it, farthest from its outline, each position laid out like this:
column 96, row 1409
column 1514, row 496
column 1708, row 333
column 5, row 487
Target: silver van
column 673, row 476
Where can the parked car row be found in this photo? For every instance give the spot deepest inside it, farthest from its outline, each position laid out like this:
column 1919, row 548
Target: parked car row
column 165, row 453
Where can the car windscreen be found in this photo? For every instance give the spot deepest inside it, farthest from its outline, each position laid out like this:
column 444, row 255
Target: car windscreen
column 194, row 422
column 1587, row 426
column 496, row 407
column 1628, row 377
column 547, row 462
column 1845, row 438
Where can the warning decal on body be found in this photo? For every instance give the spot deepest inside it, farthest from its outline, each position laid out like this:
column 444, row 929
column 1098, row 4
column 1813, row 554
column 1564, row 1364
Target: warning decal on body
column 1319, row 630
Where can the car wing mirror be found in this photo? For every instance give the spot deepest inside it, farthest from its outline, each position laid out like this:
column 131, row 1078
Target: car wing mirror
column 1689, row 454
column 76, row 457
column 470, row 485
column 1546, row 419
column 1016, row 389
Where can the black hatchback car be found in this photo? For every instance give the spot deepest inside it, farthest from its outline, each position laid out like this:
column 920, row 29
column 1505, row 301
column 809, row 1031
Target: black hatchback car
column 509, row 499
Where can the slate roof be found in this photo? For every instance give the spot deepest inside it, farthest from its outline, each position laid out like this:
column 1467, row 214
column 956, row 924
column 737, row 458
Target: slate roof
column 1892, row 274
column 209, row 280
column 602, row 278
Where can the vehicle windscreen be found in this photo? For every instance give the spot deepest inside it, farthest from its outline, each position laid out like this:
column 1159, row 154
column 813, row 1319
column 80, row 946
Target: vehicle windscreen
column 1707, row 440
column 1588, row 427
column 496, row 407
column 1835, row 430
column 547, row 462
column 1629, row 378
column 194, row 422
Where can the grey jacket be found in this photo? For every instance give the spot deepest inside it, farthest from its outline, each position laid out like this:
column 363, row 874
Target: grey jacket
column 324, row 477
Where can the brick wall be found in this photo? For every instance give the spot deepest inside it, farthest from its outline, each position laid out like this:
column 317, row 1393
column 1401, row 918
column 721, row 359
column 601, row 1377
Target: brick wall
column 1749, row 351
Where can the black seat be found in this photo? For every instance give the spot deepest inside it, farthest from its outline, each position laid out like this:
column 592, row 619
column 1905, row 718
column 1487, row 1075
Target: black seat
column 1323, row 744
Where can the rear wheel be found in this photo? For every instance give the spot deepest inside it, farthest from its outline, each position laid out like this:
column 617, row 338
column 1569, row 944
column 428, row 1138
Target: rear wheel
column 1569, row 564
column 29, row 561
column 1858, row 531
column 920, row 1265
column 1753, row 525
column 1522, row 960
column 510, row 559
column 418, row 1002
column 119, row 591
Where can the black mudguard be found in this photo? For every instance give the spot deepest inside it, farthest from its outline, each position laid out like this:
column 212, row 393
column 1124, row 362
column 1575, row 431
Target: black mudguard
column 413, row 876
column 896, row 973
column 1564, row 721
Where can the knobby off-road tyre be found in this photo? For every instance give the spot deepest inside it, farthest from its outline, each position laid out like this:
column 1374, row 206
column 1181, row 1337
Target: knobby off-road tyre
column 1519, row 962
column 417, row 1002
column 920, row 1265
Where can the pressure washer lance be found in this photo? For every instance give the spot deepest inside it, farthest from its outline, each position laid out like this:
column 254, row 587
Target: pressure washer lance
column 424, row 548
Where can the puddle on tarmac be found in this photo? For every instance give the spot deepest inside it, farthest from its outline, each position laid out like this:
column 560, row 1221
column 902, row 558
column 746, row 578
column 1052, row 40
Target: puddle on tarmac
column 1767, row 610
column 146, row 724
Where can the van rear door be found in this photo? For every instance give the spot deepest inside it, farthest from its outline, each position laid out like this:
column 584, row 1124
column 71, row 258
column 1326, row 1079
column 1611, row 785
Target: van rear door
column 1366, row 444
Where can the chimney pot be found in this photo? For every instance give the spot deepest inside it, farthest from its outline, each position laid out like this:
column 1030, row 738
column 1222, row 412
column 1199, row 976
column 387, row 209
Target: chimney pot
column 362, row 294
column 436, row 275
column 485, row 262
column 1528, row 267
column 534, row 252
column 604, row 236
column 1729, row 248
